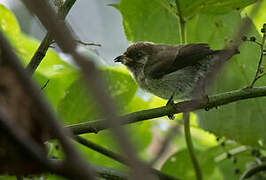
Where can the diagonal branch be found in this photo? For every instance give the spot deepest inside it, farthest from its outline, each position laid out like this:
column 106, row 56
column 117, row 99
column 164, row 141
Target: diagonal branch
column 48, row 39
column 184, row 106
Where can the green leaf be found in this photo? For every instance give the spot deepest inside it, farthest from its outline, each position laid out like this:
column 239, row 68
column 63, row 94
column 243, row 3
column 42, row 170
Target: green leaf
column 179, row 165
column 139, row 134
column 216, row 30
column 157, row 21
column 260, row 17
column 79, row 106
column 243, row 121
column 8, row 22
column 144, row 20
column 224, row 6
column 214, row 162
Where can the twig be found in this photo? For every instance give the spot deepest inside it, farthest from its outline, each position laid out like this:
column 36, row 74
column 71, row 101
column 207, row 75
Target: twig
column 252, row 171
column 88, row 44
column 48, row 39
column 91, row 75
column 46, row 83
column 184, row 106
column 258, row 73
column 117, row 157
column 190, row 147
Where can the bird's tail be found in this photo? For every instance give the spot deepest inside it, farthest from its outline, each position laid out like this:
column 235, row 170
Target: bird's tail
column 226, row 54
column 221, row 56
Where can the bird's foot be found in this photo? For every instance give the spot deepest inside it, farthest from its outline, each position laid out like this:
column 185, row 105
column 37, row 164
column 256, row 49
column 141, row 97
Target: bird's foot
column 206, row 99
column 171, row 102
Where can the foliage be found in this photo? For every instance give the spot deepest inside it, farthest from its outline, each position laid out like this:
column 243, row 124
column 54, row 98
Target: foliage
column 210, row 21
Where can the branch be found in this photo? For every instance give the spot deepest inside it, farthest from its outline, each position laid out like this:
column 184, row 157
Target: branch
column 184, row 106
column 117, row 157
column 48, row 39
column 88, row 44
column 258, row 74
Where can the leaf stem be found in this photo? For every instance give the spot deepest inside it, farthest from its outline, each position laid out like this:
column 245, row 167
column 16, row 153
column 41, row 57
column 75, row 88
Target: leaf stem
column 182, row 24
column 190, row 147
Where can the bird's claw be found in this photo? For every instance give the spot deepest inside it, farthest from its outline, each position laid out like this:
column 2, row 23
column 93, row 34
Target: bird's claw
column 170, row 102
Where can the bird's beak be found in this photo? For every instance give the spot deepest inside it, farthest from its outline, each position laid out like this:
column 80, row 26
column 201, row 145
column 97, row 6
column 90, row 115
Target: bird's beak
column 123, row 59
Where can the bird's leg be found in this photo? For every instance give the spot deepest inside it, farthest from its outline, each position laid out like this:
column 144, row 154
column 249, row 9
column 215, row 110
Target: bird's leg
column 205, row 96
column 170, row 102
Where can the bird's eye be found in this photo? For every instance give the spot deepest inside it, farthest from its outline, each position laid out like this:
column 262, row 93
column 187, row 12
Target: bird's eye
column 139, row 55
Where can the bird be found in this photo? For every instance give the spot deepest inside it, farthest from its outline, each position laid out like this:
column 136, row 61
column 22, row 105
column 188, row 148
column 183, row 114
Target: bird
column 172, row 72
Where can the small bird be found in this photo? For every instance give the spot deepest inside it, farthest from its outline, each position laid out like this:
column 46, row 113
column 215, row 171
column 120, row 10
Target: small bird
column 172, row 71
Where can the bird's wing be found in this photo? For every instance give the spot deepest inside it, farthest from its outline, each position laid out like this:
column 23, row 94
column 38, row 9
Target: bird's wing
column 169, row 60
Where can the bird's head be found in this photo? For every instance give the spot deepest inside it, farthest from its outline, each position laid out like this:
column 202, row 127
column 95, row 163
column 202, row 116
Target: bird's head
column 136, row 54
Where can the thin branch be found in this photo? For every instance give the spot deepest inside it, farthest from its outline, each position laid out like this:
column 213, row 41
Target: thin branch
column 117, row 157
column 252, row 171
column 184, row 106
column 46, row 83
column 48, row 39
column 88, row 44
column 190, row 147
column 258, row 73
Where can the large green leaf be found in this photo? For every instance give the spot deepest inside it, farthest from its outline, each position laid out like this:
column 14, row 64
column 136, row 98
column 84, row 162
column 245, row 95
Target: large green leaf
column 157, row 21
column 139, row 134
column 8, row 22
column 79, row 106
column 144, row 20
